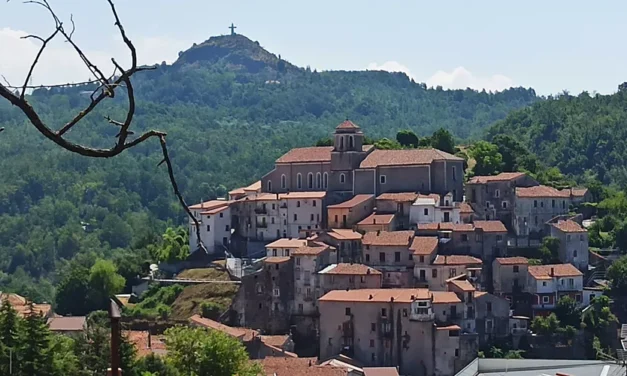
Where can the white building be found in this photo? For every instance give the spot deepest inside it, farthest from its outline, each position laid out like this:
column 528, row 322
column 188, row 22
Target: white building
column 548, row 283
column 573, row 243
column 214, row 218
column 432, row 209
column 535, row 206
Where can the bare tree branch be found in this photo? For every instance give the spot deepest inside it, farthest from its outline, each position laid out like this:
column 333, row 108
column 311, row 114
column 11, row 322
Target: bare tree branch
column 32, row 66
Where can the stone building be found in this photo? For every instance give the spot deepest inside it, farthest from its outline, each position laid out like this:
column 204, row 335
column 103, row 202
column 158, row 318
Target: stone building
column 493, row 197
column 398, row 204
column 509, row 275
column 308, row 261
column 284, row 247
column 537, row 205
column 442, row 268
column 377, row 222
column 389, row 252
column 573, row 242
column 346, row 214
column 346, row 242
column 348, row 276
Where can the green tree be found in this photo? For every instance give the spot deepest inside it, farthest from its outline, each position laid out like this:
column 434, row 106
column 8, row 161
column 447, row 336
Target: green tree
column 545, row 325
column 325, row 141
column 174, row 246
column 104, row 282
column 407, row 138
column 73, row 290
column 9, row 337
column 488, row 159
column 549, row 250
column 196, row 352
column 64, row 359
column 155, row 365
column 617, row 274
column 35, row 355
column 387, row 144
column 443, row 140
column 620, row 236
column 568, row 312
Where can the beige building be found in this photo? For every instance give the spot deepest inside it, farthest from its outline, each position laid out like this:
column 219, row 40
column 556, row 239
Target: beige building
column 424, row 250
column 509, row 275
column 284, row 247
column 348, row 276
column 535, row 206
column 408, row 328
column 308, row 261
column 573, row 243
column 442, row 268
column 346, row 214
column 389, row 252
column 398, row 204
column 377, row 222
column 347, row 242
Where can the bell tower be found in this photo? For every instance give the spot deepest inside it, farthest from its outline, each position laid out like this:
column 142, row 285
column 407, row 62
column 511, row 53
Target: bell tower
column 348, row 137
column 348, row 152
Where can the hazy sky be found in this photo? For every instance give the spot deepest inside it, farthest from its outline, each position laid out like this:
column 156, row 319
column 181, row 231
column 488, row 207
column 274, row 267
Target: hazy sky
column 548, row 45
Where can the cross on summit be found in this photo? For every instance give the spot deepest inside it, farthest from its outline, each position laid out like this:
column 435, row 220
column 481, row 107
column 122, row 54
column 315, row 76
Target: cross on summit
column 232, row 27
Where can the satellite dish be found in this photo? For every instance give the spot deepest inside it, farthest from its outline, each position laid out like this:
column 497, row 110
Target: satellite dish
column 154, row 267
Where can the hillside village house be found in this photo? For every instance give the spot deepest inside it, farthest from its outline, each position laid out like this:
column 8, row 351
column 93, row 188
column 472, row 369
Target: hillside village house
column 509, row 275
column 377, row 222
column 398, row 204
column 349, row 276
column 308, row 261
column 214, row 218
column 346, row 214
column 573, row 242
column 442, row 268
column 548, row 283
column 346, row 242
column 537, row 205
column 284, row 247
column 433, row 209
column 389, row 252
column 349, row 167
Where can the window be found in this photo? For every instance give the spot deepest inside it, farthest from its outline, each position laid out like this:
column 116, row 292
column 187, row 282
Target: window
column 454, row 169
column 347, row 311
column 552, row 203
column 362, row 279
column 367, row 257
column 297, row 260
column 318, row 180
column 571, row 282
column 274, row 252
column 497, row 193
column 426, row 211
column 342, row 178
column 341, row 143
column 543, row 284
column 382, row 256
column 283, row 182
column 310, row 180
column 286, row 252
column 456, row 352
column 580, row 238
column 313, row 203
column 295, row 217
column 578, row 298
column 272, row 220
column 298, row 204
column 382, row 179
column 516, row 268
column 545, row 299
column 464, row 237
column 504, row 204
column 487, row 204
column 299, row 181
column 372, row 343
column 409, row 257
column 311, row 217
column 563, row 204
column 269, row 185
column 575, row 254
column 372, row 357
column 567, row 238
column 535, row 203
column 384, row 312
column 325, row 180
column 300, row 310
column 351, row 142
column 404, row 312
column 434, row 273
column 276, row 306
column 276, row 292
column 499, row 238
column 221, row 215
column 535, row 220
column 397, row 256
column 373, row 327
column 336, row 219
column 208, row 228
column 541, row 204
column 259, row 288
column 452, row 272
column 227, row 229
column 422, row 259
column 489, row 306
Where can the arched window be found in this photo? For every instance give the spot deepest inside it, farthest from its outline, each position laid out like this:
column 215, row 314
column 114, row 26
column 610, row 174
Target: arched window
column 325, row 181
column 269, row 184
column 299, row 181
column 342, row 178
column 318, row 180
column 341, row 143
column 351, row 142
column 310, row 180
column 283, row 182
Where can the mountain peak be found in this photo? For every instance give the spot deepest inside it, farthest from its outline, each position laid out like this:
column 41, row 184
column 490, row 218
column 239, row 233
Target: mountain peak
column 235, row 51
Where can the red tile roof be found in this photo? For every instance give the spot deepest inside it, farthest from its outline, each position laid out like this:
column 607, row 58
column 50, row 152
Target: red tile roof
column 22, row 306
column 67, row 324
column 244, row 334
column 465, row 208
column 503, row 176
column 388, row 238
column 542, row 191
column 569, row 226
column 424, row 245
column 512, row 260
column 351, row 203
column 215, row 210
column 256, row 186
column 407, row 157
column 462, row 285
column 140, row 340
column 276, row 340
column 276, row 259
column 308, row 154
column 310, row 250
column 578, row 192
column 446, row 226
column 347, row 124
column 376, row 295
column 287, row 243
column 490, row 226
column 377, row 219
column 279, row 366
column 302, row 195
column 449, row 327
column 445, row 297
column 400, row 197
column 380, row 371
column 344, row 234
column 558, row 270
column 352, row 269
column 211, row 204
column 456, row 260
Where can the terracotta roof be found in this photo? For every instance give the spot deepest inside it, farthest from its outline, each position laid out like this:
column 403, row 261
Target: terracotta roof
column 446, row 226
column 569, row 226
column 215, row 211
column 302, row 195
column 462, row 285
column 380, row 371
column 490, row 226
column 503, row 176
column 279, row 366
column 211, row 204
column 559, row 270
column 465, row 208
column 276, row 260
column 377, row 219
column 237, row 191
column 445, row 297
column 344, row 234
column 407, row 157
column 399, row 197
column 512, row 260
column 67, row 324
column 479, row 294
column 350, row 269
column 256, row 186
column 139, row 339
column 347, row 124
column 310, row 250
column 578, row 192
column 424, row 245
column 287, row 243
column 456, row 260
column 449, row 327
column 388, row 238
column 243, row 334
column 541, row 191
column 351, row 203
column 308, row 154
column 376, row 295
column 277, row 340
column 22, row 306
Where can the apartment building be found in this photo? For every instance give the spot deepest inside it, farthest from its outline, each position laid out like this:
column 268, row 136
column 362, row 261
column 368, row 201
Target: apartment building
column 214, row 218
column 434, row 208
column 548, row 283
column 389, row 252
column 284, row 247
column 444, row 267
column 573, row 242
column 346, row 214
column 347, row 243
column 377, row 222
column 535, row 206
column 509, row 275
column 346, row 276
column 308, row 261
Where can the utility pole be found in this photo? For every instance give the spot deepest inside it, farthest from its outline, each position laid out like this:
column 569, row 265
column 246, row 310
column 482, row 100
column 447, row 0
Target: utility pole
column 114, row 316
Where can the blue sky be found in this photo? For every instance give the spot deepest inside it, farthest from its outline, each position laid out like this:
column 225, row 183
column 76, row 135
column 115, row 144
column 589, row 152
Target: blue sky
column 548, row 45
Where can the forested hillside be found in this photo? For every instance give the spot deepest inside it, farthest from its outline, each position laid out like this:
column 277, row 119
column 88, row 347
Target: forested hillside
column 584, row 136
column 230, row 109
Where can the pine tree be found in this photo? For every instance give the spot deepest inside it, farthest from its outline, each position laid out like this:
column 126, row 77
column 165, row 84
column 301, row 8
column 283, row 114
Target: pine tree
column 35, row 357
column 9, row 337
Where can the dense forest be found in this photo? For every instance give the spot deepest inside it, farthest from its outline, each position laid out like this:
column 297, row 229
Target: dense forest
column 230, row 109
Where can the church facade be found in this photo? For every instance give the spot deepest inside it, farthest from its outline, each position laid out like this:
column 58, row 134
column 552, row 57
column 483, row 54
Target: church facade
column 349, row 167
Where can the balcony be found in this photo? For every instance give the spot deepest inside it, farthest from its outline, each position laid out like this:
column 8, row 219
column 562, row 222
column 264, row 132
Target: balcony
column 422, row 316
column 262, row 224
column 347, row 329
column 386, row 328
column 261, row 210
column 308, row 298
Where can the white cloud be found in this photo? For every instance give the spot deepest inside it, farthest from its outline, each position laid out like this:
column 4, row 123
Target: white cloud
column 390, row 66
column 60, row 63
column 461, row 78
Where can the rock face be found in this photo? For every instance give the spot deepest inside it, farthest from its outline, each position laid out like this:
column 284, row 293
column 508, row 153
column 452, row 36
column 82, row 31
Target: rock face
column 234, row 52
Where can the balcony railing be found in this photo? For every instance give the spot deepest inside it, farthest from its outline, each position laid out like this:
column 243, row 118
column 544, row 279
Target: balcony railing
column 262, row 224
column 261, row 211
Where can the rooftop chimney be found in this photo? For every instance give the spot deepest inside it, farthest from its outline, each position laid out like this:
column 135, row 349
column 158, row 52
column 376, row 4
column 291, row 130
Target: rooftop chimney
column 552, row 272
column 149, row 340
column 378, row 232
column 370, row 297
column 392, row 299
column 374, row 221
column 413, row 297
